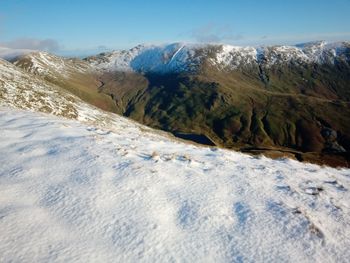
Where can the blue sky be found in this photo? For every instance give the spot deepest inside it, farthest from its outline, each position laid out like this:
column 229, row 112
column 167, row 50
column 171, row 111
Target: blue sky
column 89, row 26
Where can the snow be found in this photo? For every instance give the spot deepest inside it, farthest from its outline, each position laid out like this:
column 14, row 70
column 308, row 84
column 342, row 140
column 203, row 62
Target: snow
column 26, row 91
column 161, row 58
column 234, row 56
column 49, row 65
column 174, row 57
column 76, row 191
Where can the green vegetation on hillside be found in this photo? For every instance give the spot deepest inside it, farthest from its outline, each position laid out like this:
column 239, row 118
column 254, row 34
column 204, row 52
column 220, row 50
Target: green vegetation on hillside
column 297, row 110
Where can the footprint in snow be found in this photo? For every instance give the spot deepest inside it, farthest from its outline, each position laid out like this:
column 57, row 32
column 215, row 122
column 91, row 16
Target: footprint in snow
column 310, row 170
column 183, row 158
column 98, row 131
column 147, row 157
column 311, row 188
column 284, row 188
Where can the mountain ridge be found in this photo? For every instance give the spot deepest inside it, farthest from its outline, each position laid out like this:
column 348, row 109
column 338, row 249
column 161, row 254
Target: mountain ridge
column 182, row 57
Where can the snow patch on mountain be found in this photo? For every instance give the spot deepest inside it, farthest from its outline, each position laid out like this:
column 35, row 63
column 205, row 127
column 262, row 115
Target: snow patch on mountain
column 236, row 56
column 148, row 58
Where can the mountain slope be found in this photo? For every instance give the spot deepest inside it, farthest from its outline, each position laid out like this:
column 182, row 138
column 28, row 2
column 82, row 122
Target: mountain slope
column 277, row 100
column 26, row 91
column 74, row 75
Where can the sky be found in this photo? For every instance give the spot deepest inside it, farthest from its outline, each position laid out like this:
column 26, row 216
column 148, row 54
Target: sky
column 84, row 26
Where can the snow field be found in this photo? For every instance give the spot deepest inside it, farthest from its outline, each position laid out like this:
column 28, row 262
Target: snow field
column 78, row 193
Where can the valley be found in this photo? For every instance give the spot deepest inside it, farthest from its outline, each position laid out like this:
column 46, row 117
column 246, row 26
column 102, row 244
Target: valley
column 277, row 100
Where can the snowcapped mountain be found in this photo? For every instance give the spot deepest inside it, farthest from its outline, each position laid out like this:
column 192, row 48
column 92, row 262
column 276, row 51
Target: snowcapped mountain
column 148, row 58
column 102, row 188
column 180, row 57
column 183, row 57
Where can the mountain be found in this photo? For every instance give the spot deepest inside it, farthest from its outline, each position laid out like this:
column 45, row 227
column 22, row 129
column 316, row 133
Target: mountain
column 92, row 186
column 290, row 100
column 180, row 57
column 278, row 100
column 22, row 90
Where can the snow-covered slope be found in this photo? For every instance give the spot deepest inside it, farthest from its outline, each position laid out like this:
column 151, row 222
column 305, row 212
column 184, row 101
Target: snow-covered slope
column 76, row 193
column 179, row 57
column 49, row 65
column 26, row 91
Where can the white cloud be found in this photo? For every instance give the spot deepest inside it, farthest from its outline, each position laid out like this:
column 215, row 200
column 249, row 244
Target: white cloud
column 48, row 44
column 215, row 33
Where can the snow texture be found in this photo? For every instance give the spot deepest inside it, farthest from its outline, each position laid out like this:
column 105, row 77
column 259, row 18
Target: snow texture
column 76, row 192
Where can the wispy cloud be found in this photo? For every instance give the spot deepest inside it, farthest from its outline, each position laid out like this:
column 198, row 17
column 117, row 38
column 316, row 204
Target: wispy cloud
column 333, row 36
column 215, row 33
column 48, row 44
column 102, row 48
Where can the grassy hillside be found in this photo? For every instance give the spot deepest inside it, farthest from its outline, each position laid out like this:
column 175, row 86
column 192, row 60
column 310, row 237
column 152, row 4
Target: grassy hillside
column 303, row 112
column 74, row 75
